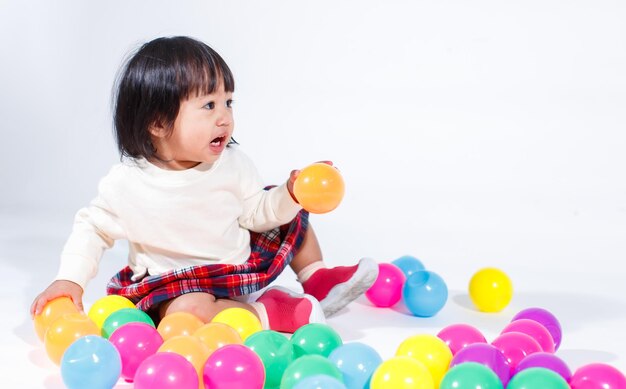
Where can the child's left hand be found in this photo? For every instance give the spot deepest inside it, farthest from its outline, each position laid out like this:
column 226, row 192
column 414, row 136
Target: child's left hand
column 294, row 175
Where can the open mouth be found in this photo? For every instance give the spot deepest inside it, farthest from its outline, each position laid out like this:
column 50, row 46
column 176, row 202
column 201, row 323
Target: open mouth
column 217, row 142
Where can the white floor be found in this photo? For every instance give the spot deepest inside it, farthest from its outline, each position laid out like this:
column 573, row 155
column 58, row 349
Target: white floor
column 585, row 293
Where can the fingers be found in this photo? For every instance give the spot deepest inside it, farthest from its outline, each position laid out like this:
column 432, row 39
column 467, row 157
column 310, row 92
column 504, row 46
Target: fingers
column 78, row 301
column 38, row 305
column 326, row 162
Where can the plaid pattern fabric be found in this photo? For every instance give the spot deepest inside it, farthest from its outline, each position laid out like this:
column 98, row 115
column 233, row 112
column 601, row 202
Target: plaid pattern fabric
column 271, row 252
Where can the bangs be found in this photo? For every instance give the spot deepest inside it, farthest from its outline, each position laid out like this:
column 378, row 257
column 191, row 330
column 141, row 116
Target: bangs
column 200, row 72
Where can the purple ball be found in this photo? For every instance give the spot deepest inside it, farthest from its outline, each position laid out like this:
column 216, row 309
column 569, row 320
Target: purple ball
column 547, row 361
column 545, row 318
column 487, row 355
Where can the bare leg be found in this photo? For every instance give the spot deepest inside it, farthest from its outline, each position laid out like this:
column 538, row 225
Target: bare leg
column 309, row 252
column 203, row 305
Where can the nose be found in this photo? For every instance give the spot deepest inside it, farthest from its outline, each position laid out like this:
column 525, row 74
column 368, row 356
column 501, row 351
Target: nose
column 225, row 117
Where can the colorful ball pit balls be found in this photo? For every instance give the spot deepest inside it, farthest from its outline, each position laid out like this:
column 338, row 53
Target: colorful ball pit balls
column 52, row 311
column 124, row 316
column 533, row 329
column 546, row 361
column 179, row 323
column 91, row 362
column 545, row 318
column 487, row 355
column 306, row 366
column 458, row 336
column 515, row 346
column 598, row 376
column 424, row 293
column 387, row 289
column 234, row 366
column 216, row 335
column 242, row 320
column 409, row 265
column 490, row 290
column 135, row 342
column 315, row 338
column 357, row 362
column 319, row 188
column 189, row 347
column 320, row 381
column 276, row 353
column 166, row 371
column 64, row 331
column 402, row 373
column 537, row 377
column 105, row 306
column 470, row 375
column 431, row 351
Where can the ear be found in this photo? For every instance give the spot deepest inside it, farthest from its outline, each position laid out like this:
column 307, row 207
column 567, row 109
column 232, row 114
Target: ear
column 157, row 130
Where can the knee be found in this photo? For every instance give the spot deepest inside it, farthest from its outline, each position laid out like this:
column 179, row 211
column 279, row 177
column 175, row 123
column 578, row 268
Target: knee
column 201, row 305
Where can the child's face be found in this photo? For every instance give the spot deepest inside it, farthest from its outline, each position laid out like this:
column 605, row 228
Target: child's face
column 202, row 130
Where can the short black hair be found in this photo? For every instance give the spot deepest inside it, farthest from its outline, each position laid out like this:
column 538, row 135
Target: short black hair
column 154, row 81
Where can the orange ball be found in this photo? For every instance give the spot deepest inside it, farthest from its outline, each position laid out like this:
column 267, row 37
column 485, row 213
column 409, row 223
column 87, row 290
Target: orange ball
column 319, row 188
column 179, row 323
column 189, row 347
column 52, row 311
column 64, row 331
column 216, row 335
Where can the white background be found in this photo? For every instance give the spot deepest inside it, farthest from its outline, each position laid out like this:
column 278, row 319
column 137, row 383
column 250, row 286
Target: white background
column 469, row 133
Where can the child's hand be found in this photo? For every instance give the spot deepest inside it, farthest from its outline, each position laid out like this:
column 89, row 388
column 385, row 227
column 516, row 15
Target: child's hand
column 294, row 175
column 56, row 289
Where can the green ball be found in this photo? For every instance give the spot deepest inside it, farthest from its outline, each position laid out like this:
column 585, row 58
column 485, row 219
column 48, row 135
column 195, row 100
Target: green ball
column 275, row 351
column 307, row 366
column 470, row 375
column 537, row 377
column 123, row 316
column 315, row 339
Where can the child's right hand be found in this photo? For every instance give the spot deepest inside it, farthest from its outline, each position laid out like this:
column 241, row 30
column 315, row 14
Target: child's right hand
column 58, row 288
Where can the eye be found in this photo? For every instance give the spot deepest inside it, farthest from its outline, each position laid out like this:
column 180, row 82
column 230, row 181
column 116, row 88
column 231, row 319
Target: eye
column 229, row 103
column 210, row 105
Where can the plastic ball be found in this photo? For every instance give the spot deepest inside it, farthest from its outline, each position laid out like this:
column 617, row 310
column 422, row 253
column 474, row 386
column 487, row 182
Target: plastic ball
column 276, row 353
column 433, row 352
column 105, row 306
column 242, row 320
column 487, row 355
column 402, row 373
column 387, row 289
column 320, row 381
column 306, row 366
column 545, row 318
column 315, row 338
column 234, row 366
column 491, row 290
column 424, row 293
column 189, row 347
column 533, row 329
column 457, row 336
column 319, row 188
column 470, row 375
column 409, row 265
column 52, row 311
column 216, row 335
column 546, row 361
column 598, row 376
column 91, row 362
column 357, row 362
column 124, row 316
column 135, row 342
column 515, row 346
column 178, row 323
column 166, row 371
column 64, row 331
column 537, row 377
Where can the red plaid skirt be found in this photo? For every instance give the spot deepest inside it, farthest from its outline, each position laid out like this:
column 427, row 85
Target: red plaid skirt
column 271, row 252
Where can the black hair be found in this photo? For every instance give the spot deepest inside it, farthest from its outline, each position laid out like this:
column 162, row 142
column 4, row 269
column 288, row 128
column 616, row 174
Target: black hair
column 154, row 81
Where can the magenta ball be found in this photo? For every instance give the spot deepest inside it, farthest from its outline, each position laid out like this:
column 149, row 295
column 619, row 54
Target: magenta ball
column 546, row 361
column 515, row 346
column 135, row 342
column 487, row 355
column 166, row 371
column 458, row 336
column 533, row 329
column 544, row 318
column 234, row 366
column 387, row 289
column 598, row 376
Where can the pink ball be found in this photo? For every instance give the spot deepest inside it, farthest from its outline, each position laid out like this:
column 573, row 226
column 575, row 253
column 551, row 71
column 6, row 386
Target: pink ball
column 545, row 318
column 458, row 336
column 387, row 289
column 598, row 376
column 166, row 371
column 515, row 346
column 135, row 342
column 533, row 329
column 234, row 366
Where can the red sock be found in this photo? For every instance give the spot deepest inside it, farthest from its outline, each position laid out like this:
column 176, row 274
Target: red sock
column 287, row 311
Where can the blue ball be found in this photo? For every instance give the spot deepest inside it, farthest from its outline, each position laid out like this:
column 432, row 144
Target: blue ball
column 357, row 362
column 91, row 362
column 319, row 381
column 424, row 293
column 409, row 265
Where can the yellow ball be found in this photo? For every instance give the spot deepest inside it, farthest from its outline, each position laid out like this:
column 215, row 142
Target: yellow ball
column 491, row 290
column 243, row 321
column 401, row 373
column 431, row 351
column 105, row 306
